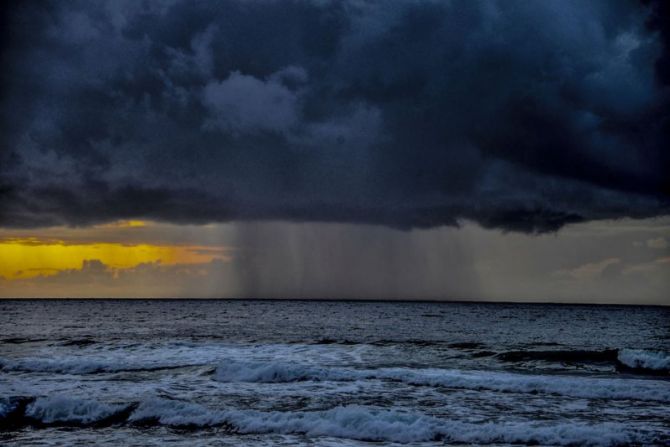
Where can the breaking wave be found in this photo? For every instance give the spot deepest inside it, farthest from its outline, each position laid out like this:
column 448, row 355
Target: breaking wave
column 571, row 386
column 629, row 360
column 637, row 359
column 349, row 422
column 55, row 410
column 234, row 371
column 60, row 410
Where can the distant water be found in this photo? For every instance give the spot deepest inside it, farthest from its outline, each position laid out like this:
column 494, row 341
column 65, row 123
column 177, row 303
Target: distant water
column 332, row 373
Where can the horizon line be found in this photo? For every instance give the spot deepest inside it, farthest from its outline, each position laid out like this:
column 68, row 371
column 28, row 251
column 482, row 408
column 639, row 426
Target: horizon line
column 351, row 300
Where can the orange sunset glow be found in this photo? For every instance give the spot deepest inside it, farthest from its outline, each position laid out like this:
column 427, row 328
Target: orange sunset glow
column 29, row 256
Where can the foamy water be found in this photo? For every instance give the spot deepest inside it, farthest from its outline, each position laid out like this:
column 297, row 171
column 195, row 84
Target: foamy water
column 332, row 373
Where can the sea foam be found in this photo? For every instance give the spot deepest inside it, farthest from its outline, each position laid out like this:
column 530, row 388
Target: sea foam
column 273, row 372
column 648, row 360
column 349, row 422
column 571, row 386
column 58, row 409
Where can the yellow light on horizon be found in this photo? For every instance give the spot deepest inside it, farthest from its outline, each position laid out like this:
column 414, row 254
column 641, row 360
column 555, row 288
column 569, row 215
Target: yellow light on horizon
column 30, row 257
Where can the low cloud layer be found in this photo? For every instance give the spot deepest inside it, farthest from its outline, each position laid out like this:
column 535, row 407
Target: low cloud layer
column 599, row 262
column 519, row 115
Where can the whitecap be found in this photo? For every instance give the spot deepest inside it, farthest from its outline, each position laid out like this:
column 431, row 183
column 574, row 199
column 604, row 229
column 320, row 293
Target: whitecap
column 642, row 359
column 65, row 410
column 383, row 425
column 570, row 386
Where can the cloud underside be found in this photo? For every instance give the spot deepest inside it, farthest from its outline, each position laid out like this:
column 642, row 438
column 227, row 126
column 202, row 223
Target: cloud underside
column 522, row 116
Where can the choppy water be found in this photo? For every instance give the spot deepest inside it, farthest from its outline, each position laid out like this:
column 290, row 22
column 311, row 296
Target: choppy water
column 332, row 373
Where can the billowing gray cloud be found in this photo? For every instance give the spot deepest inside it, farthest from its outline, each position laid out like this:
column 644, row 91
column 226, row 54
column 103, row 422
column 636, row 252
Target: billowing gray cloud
column 519, row 115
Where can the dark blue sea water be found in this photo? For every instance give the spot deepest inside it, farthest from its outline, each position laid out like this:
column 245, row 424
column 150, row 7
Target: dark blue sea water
column 186, row 372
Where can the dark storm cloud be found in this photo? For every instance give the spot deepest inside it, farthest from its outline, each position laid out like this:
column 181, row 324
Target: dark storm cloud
column 520, row 115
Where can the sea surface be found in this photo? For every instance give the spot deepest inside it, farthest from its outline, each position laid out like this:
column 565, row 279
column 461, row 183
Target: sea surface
column 259, row 373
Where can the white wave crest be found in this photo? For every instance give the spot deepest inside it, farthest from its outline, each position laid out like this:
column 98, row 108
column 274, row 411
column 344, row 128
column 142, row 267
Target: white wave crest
column 374, row 424
column 349, row 422
column 637, row 358
column 59, row 409
column 268, row 372
column 570, row 386
column 176, row 413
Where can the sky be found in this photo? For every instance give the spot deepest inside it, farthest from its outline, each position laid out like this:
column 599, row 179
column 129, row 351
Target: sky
column 465, row 150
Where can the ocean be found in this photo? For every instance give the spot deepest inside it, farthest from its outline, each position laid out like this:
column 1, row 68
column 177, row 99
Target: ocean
column 331, row 373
